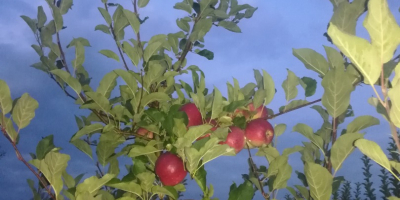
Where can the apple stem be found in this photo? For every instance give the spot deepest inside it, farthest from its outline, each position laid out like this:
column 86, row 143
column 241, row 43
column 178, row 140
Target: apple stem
column 254, row 169
column 292, row 109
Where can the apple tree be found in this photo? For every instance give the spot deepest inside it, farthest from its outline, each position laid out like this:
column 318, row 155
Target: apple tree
column 171, row 129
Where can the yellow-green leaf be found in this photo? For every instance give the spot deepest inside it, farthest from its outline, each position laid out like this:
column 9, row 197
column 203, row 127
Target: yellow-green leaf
column 373, row 151
column 342, row 148
column 24, row 110
column 359, row 51
column 319, row 180
column 382, row 28
column 5, row 98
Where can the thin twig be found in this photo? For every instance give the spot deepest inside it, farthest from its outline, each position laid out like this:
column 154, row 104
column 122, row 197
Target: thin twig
column 334, row 136
column 292, row 109
column 116, row 41
column 63, row 58
column 254, row 169
column 19, row 156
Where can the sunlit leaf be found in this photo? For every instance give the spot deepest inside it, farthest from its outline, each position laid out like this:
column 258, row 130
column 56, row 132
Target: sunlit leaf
column 24, row 110
column 319, row 180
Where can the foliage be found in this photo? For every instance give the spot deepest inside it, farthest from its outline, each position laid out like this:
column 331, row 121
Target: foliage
column 152, row 98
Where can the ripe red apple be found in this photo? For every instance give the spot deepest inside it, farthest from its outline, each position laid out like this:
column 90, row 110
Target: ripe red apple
column 260, row 112
column 215, row 126
column 235, row 139
column 169, row 168
column 145, row 132
column 259, row 132
column 193, row 114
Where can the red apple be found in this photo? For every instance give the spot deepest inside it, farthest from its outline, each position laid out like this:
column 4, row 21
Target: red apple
column 235, row 139
column 259, row 132
column 260, row 112
column 145, row 132
column 213, row 123
column 193, row 114
column 169, row 168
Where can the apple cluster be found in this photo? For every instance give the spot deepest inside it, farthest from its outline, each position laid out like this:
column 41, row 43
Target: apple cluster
column 258, row 132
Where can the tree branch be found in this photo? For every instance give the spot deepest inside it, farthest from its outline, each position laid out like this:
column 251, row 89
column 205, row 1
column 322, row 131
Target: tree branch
column 19, row 156
column 254, row 169
column 292, row 109
column 116, row 41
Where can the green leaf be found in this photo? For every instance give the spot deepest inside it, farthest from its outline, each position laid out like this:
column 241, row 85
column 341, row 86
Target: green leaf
column 324, row 114
column 269, row 87
column 104, row 28
column 83, row 146
column 105, row 15
column 346, row 14
column 289, row 86
column 311, row 86
column 142, row 150
column 109, row 54
column 129, row 79
column 201, row 178
column 361, row 123
column 342, row 148
column 155, row 96
column 79, row 55
column 361, row 53
column 207, row 54
column 183, row 6
column 335, row 59
column 165, row 190
column 24, row 110
column 132, row 52
column 41, row 17
column 143, row 3
column 31, row 23
column 9, row 127
column 65, row 6
column 221, row 14
column 183, row 24
column 5, row 98
column 281, row 179
column 394, row 96
column 373, row 151
column 217, row 151
column 100, row 101
column 230, row 26
column 200, row 29
column 151, row 49
column 245, row 191
column 81, row 40
column 90, row 129
column 146, row 180
column 58, row 19
column 217, row 104
column 270, row 153
column 319, row 180
column 383, row 29
column 93, row 184
column 128, row 186
column 312, row 60
column 71, row 81
column 120, row 22
column 52, row 166
column 107, row 84
column 279, row 129
column 44, row 146
column 337, row 89
column 133, row 20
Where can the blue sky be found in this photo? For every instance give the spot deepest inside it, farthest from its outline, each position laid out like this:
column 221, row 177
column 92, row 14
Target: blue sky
column 266, row 42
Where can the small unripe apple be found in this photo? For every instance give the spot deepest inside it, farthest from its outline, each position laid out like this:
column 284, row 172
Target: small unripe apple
column 145, row 132
column 169, row 168
column 259, row 132
column 260, row 112
column 193, row 114
column 235, row 139
column 215, row 126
